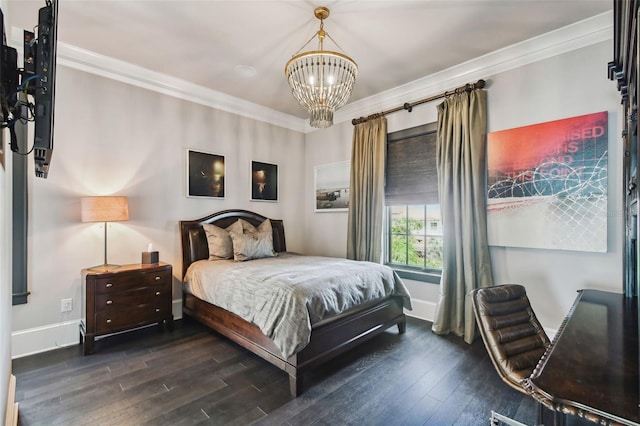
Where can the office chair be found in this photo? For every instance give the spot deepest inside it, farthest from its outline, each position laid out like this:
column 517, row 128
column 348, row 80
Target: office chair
column 513, row 336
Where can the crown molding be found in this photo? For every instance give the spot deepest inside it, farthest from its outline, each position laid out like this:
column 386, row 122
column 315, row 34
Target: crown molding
column 94, row 63
column 581, row 34
column 572, row 37
column 91, row 62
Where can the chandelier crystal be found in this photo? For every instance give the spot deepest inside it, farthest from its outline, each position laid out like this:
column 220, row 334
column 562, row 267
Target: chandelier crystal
column 321, row 80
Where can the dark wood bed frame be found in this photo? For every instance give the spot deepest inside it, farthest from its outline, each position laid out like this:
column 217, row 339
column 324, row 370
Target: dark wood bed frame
column 329, row 337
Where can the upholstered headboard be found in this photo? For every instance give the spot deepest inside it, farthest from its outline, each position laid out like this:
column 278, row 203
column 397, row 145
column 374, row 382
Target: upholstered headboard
column 194, row 240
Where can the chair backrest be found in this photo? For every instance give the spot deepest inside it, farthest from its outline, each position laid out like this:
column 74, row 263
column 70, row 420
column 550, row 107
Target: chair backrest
column 510, row 330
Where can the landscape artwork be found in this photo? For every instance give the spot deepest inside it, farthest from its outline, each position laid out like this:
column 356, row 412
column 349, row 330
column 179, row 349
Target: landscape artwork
column 547, row 185
column 332, row 187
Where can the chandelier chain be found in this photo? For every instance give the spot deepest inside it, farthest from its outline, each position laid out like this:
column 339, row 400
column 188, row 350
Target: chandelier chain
column 304, row 45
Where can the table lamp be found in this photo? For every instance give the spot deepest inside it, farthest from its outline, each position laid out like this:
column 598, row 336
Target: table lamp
column 104, row 209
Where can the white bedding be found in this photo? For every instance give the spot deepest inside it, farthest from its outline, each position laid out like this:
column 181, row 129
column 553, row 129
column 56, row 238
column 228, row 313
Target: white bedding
column 285, row 295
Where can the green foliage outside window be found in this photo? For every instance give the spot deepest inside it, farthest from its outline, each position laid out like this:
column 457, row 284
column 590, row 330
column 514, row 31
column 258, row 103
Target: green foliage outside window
column 408, row 247
column 403, row 244
column 434, row 253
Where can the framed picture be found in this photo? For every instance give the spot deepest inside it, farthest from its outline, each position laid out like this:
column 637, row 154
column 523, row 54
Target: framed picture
column 547, row 185
column 264, row 181
column 205, row 174
column 331, row 184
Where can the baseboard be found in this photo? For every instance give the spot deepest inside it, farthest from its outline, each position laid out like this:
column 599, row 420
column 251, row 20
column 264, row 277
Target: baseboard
column 176, row 309
column 41, row 339
column 53, row 336
column 11, row 417
column 422, row 310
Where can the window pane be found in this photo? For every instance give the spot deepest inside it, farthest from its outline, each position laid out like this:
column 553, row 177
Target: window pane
column 434, row 221
column 398, row 249
column 434, row 252
column 416, row 251
column 414, row 236
column 415, row 220
column 399, row 219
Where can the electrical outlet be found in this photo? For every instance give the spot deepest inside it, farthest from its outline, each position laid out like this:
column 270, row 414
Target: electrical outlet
column 66, row 305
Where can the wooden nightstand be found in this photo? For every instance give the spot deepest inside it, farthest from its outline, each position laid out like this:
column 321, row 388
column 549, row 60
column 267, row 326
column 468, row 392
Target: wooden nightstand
column 123, row 298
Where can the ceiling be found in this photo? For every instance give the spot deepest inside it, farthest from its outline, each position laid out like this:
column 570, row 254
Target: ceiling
column 212, row 42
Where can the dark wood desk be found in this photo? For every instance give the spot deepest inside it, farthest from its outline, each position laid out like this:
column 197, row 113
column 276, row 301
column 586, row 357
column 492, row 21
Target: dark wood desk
column 591, row 368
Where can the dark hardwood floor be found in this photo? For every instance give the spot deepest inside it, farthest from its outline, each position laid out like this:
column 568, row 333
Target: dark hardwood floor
column 194, row 376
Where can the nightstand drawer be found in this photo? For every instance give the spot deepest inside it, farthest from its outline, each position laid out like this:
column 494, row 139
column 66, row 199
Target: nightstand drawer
column 118, row 283
column 156, row 278
column 116, row 320
column 130, row 299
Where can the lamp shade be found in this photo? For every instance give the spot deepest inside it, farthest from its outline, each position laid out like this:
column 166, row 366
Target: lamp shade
column 104, row 209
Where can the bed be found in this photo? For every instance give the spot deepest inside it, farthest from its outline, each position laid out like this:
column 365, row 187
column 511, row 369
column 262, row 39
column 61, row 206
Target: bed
column 328, row 337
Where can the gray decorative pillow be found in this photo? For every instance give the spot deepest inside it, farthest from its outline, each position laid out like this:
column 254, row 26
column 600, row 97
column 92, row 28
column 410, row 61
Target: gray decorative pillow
column 252, row 246
column 219, row 241
column 252, row 243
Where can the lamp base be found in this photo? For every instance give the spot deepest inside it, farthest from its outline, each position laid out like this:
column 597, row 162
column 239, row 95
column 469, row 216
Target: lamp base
column 104, row 268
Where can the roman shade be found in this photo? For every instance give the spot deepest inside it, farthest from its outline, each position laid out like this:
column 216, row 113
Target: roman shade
column 411, row 173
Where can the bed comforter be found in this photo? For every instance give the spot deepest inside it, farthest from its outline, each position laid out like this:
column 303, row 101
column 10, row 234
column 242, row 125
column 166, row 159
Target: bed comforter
column 285, row 295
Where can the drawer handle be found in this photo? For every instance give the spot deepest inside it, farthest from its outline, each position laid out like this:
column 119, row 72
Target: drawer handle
column 157, row 293
column 108, row 321
column 157, row 310
column 109, row 302
column 109, row 285
column 157, row 278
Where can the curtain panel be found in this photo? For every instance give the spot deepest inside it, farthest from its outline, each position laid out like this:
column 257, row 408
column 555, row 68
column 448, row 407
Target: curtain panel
column 462, row 176
column 366, row 191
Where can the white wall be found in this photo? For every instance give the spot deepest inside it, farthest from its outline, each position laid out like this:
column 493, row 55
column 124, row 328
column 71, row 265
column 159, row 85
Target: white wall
column 113, row 138
column 574, row 84
column 562, row 86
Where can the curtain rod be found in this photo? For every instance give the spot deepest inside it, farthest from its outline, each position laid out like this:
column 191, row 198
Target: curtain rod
column 409, row 106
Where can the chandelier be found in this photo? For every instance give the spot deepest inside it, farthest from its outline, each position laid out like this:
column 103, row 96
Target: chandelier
column 321, row 80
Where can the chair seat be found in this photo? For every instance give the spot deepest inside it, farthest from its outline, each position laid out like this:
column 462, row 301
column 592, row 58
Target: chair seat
column 512, row 334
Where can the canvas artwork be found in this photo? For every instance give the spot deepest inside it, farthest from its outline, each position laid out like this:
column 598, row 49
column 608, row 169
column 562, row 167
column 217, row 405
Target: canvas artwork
column 205, row 174
column 264, row 181
column 547, row 185
column 332, row 187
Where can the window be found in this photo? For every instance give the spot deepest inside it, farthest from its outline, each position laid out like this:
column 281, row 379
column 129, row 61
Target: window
column 415, row 234
column 413, row 229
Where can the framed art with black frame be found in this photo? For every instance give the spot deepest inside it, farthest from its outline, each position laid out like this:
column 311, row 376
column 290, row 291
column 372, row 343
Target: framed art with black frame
column 264, row 181
column 205, row 174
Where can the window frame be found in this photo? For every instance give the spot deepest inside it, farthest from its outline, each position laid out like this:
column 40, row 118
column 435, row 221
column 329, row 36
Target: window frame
column 425, row 274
